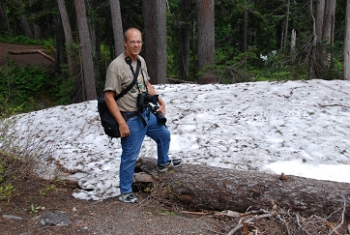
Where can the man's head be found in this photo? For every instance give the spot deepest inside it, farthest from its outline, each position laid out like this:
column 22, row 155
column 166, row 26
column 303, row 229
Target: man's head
column 132, row 42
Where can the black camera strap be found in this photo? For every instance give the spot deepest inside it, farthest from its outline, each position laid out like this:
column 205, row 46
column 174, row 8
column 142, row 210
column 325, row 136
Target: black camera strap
column 138, row 66
column 123, row 92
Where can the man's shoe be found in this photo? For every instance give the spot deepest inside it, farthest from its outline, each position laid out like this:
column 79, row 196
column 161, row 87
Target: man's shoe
column 128, row 197
column 171, row 164
column 176, row 162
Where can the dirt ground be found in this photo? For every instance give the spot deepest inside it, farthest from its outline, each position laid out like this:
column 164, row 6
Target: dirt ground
column 96, row 217
column 7, row 51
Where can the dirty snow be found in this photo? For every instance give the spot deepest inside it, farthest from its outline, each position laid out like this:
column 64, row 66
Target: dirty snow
column 296, row 127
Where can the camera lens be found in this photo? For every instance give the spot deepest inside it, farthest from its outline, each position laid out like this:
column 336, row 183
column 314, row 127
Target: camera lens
column 161, row 118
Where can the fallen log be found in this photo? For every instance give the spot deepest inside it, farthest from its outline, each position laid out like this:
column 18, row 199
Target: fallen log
column 181, row 81
column 213, row 188
column 32, row 52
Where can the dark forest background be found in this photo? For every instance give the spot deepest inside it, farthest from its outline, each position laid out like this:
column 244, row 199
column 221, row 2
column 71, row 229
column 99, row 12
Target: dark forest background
column 199, row 41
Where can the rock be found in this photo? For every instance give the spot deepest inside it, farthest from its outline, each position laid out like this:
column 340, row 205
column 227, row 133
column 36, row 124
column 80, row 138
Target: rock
column 12, row 217
column 55, row 218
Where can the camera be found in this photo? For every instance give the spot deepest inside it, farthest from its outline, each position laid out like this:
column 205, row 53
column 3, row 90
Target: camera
column 159, row 115
column 145, row 100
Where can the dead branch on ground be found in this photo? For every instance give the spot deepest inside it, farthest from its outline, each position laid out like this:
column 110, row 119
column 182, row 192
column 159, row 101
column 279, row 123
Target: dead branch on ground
column 33, row 51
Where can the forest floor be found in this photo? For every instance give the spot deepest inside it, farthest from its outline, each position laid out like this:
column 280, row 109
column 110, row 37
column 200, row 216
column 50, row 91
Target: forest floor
column 42, row 207
column 24, row 214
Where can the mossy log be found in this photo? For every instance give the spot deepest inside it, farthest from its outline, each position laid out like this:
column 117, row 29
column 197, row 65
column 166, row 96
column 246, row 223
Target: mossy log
column 213, row 188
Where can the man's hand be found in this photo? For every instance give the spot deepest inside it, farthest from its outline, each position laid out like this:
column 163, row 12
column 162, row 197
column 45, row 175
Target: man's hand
column 161, row 109
column 161, row 103
column 124, row 129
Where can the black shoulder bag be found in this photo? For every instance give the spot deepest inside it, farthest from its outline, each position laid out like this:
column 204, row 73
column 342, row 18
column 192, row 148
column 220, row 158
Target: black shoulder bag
column 110, row 125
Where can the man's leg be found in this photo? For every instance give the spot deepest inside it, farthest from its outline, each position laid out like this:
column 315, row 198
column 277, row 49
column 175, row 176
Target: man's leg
column 161, row 135
column 131, row 148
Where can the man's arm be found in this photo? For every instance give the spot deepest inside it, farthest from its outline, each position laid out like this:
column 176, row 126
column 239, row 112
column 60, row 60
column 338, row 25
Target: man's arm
column 161, row 103
column 114, row 109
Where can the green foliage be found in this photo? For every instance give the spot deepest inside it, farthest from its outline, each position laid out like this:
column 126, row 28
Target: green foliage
column 49, row 188
column 68, row 90
column 265, row 31
column 271, row 75
column 278, row 66
column 132, row 13
column 6, row 191
column 2, row 170
column 21, row 39
column 35, row 209
column 233, row 69
column 333, row 68
column 26, row 88
column 6, row 188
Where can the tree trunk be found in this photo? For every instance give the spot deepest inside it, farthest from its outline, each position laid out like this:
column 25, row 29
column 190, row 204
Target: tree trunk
column 86, row 51
column 24, row 20
column 206, row 40
column 286, row 26
column 293, row 40
column 320, row 8
column 314, row 57
column 67, row 34
column 346, row 63
column 184, row 40
column 36, row 27
column 184, row 58
column 3, row 14
column 320, row 58
column 117, row 25
column 329, row 22
column 60, row 49
column 155, row 39
column 328, row 30
column 245, row 28
column 214, row 188
column 89, row 5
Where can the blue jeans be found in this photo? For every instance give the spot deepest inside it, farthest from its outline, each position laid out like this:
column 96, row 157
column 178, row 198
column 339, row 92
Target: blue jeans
column 131, row 146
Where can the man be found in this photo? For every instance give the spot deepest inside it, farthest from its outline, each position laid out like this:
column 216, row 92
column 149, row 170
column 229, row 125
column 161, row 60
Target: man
column 134, row 121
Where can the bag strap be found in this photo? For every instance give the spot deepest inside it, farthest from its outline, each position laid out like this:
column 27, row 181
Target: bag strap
column 128, row 61
column 135, row 73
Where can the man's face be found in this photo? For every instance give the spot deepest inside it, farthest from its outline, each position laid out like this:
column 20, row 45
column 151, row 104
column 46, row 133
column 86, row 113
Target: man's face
column 133, row 45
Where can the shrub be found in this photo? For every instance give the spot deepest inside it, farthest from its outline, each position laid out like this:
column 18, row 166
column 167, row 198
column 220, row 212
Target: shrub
column 15, row 164
column 28, row 87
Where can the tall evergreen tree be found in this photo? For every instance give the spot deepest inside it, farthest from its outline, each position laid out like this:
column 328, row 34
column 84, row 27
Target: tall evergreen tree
column 184, row 37
column 117, row 26
column 4, row 17
column 319, row 20
column 346, row 63
column 329, row 22
column 155, row 39
column 24, row 20
column 68, row 35
column 88, row 73
column 206, row 40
